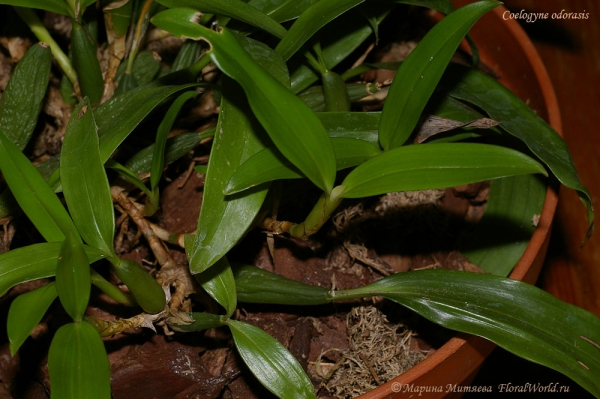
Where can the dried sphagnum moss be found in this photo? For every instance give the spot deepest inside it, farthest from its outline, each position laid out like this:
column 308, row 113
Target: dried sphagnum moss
column 378, row 351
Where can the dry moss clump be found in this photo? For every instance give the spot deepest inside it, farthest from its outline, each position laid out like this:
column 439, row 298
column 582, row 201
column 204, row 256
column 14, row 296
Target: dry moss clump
column 378, row 352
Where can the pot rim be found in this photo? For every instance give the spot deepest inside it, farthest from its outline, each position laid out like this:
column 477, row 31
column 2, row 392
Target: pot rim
column 529, row 266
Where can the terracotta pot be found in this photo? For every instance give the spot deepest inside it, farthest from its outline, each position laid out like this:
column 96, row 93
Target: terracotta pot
column 504, row 47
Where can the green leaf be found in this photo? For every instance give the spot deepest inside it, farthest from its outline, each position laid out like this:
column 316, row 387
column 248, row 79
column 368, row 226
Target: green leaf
column 421, row 71
column 520, row 121
column 281, row 11
column 118, row 117
column 22, row 99
column 33, row 194
column 338, row 40
column 34, row 262
column 517, row 316
column 235, row 9
column 26, row 312
column 223, row 221
column 145, row 68
column 292, row 126
column 158, row 158
column 428, row 166
column 271, row 165
column 270, row 362
column 57, row 6
column 128, row 175
column 334, row 91
column 78, row 364
column 117, row 17
column 175, row 148
column 311, row 20
column 190, row 53
column 501, row 236
column 255, row 285
column 84, row 181
column 218, row 282
column 314, row 96
column 86, row 64
column 352, row 125
column 194, row 321
column 73, row 282
column 144, row 288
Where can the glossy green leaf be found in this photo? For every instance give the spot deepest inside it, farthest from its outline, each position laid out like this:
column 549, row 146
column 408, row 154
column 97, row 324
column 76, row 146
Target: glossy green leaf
column 144, row 288
column 270, row 362
column 268, row 164
column 57, row 6
column 339, row 39
column 334, row 91
column 255, row 285
column 33, row 194
column 501, row 236
column 421, row 71
column 429, row 166
column 117, row 16
column 117, row 118
column 78, row 364
column 281, row 11
column 314, row 96
column 190, row 53
column 218, row 282
column 520, row 121
column 311, row 20
column 84, row 181
column 145, row 68
column 194, row 321
column 158, row 158
column 352, row 125
column 175, row 148
column 73, row 283
column 34, row 262
column 223, row 221
column 26, row 312
column 235, row 9
column 86, row 64
column 292, row 126
column 128, row 175
column 516, row 316
column 22, row 99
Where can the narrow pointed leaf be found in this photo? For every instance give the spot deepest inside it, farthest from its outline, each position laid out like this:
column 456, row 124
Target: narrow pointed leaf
column 86, row 63
column 270, row 362
column 339, row 39
column 516, row 316
column 73, row 283
column 255, row 285
column 292, row 126
column 78, row 364
column 33, row 194
column 194, row 321
column 128, row 175
column 420, row 73
column 22, row 99
column 218, row 282
column 84, row 181
column 26, row 312
column 520, row 121
column 281, row 11
column 118, row 117
column 57, row 6
column 311, row 20
column 158, row 158
column 351, row 125
column 235, row 9
column 223, row 221
column 34, row 262
column 429, row 166
column 268, row 164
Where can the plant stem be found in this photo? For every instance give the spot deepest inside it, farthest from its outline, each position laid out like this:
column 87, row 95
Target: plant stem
column 140, row 29
column 40, row 31
column 320, row 213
